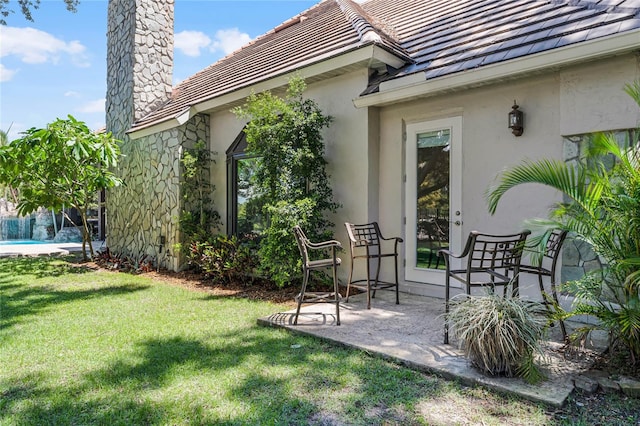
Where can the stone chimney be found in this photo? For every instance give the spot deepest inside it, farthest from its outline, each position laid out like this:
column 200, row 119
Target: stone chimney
column 139, row 60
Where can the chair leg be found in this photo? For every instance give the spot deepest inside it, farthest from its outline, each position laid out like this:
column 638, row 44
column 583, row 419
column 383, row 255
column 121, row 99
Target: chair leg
column 368, row 285
column 446, row 310
column 336, row 290
column 545, row 301
column 555, row 298
column 397, row 285
column 301, row 295
column 375, row 286
column 350, row 278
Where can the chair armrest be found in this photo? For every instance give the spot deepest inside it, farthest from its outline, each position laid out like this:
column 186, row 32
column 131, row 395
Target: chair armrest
column 362, row 241
column 398, row 239
column 445, row 252
column 324, row 244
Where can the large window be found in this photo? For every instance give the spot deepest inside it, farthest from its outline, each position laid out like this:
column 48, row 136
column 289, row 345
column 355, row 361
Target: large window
column 244, row 204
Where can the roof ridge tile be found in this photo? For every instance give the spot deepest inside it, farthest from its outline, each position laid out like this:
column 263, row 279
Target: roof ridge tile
column 371, row 29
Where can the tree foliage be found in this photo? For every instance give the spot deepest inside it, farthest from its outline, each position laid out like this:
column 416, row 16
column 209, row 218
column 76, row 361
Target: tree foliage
column 27, row 7
column 64, row 164
column 285, row 136
column 604, row 211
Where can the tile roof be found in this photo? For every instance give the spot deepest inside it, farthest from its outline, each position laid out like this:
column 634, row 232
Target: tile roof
column 434, row 37
column 326, row 30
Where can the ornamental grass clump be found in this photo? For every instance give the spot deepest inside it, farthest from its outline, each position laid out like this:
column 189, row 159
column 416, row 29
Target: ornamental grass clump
column 499, row 335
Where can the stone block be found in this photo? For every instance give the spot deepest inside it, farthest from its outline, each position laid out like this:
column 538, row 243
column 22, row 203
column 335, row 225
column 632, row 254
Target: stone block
column 608, row 385
column 570, row 255
column 585, row 384
column 629, row 386
column 570, row 273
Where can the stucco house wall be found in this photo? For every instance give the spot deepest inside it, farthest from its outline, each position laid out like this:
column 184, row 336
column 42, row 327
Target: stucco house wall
column 577, row 100
column 352, row 164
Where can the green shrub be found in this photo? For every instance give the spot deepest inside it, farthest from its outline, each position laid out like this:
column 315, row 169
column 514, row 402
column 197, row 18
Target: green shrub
column 499, row 335
column 224, row 259
column 284, row 135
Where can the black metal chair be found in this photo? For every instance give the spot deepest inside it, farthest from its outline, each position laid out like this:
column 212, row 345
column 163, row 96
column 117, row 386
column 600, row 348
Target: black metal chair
column 309, row 265
column 366, row 242
column 492, row 261
column 547, row 268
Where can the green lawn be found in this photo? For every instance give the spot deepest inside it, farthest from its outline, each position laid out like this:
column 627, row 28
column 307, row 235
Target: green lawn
column 79, row 346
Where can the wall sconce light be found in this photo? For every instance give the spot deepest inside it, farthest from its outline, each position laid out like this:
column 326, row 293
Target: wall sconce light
column 516, row 120
column 161, row 242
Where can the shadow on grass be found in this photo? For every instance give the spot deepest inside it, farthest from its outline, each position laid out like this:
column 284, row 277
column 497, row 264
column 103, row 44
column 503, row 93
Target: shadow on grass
column 40, row 267
column 255, row 369
column 18, row 302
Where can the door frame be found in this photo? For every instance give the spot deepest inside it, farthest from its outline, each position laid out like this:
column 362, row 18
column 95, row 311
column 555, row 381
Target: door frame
column 454, row 124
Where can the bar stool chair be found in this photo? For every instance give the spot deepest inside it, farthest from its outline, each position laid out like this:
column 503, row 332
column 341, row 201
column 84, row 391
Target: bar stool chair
column 309, row 265
column 366, row 243
column 491, row 261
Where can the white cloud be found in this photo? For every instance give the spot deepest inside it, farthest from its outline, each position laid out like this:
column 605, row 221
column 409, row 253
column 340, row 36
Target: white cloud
column 190, row 42
column 72, row 94
column 93, row 107
column 36, row 47
column 229, row 40
column 6, row 74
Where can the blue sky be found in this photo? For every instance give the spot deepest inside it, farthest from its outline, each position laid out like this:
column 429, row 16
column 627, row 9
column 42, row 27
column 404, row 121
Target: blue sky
column 56, row 65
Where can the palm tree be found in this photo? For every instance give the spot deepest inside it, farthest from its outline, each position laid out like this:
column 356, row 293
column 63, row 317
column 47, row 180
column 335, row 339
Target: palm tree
column 604, row 211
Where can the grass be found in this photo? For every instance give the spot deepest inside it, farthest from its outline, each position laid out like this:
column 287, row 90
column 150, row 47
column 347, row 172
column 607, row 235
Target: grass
column 80, row 346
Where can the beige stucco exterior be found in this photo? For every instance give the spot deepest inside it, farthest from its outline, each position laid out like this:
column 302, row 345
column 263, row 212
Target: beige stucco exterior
column 365, row 149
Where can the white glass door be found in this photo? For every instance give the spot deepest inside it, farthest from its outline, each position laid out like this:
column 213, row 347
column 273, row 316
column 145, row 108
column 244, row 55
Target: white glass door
column 433, row 196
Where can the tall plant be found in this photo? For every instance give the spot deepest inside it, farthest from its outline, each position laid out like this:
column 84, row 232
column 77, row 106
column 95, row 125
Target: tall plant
column 198, row 219
column 63, row 164
column 285, row 134
column 604, row 212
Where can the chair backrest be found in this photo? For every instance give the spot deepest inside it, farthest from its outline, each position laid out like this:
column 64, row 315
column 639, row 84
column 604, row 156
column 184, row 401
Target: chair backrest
column 552, row 249
column 367, row 234
column 303, row 242
column 488, row 251
column 554, row 244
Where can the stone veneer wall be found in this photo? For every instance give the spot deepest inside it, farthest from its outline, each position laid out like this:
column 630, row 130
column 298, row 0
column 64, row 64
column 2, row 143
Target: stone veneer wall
column 150, row 203
column 139, row 60
column 578, row 258
column 139, row 78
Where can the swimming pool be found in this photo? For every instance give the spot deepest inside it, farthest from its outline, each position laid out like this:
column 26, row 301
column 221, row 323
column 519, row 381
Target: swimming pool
column 16, row 242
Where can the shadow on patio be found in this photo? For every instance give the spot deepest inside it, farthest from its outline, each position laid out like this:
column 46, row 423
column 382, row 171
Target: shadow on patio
column 411, row 333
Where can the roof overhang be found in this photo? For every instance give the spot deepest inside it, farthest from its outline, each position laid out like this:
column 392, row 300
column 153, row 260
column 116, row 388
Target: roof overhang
column 367, row 56
column 415, row 86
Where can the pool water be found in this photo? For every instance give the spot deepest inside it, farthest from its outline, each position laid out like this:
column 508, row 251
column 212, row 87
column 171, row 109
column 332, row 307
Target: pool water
column 15, row 242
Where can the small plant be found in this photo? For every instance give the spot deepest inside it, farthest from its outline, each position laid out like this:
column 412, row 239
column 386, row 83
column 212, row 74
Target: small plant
column 122, row 263
column 224, row 258
column 499, row 335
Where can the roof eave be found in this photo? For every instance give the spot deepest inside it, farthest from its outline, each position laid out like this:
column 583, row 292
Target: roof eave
column 416, row 86
column 366, row 55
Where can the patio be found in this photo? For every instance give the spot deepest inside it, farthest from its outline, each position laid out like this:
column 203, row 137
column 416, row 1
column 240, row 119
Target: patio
column 411, row 333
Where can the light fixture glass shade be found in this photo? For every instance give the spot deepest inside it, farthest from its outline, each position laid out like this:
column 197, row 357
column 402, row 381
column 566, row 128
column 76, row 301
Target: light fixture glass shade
column 516, row 120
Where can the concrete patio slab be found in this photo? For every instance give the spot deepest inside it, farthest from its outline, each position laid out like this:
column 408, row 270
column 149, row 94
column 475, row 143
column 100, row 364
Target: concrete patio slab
column 411, row 333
